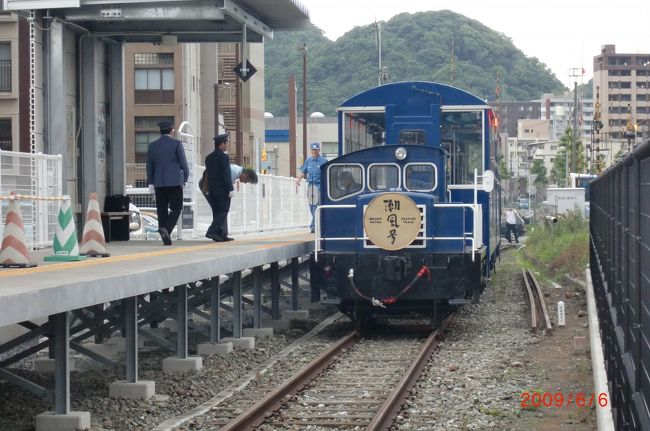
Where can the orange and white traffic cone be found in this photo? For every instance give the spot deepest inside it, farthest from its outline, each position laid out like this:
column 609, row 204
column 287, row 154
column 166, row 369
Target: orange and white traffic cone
column 93, row 242
column 14, row 252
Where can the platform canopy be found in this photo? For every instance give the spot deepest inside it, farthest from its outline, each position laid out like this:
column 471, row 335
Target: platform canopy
column 177, row 20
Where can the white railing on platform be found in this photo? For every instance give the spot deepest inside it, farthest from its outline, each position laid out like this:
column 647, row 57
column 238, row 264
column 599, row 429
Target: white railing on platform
column 38, row 176
column 274, row 203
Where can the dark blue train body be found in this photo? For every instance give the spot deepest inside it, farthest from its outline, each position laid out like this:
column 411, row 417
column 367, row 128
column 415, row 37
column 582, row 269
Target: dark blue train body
column 409, row 211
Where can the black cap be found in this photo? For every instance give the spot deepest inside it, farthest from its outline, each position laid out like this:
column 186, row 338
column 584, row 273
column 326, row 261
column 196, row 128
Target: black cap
column 166, row 125
column 223, row 137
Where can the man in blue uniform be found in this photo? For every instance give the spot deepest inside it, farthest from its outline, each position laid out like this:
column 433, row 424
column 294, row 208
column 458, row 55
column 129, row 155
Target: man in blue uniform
column 217, row 165
column 311, row 170
column 167, row 172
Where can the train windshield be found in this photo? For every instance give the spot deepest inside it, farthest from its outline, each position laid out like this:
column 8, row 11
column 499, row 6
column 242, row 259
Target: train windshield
column 420, row 177
column 363, row 130
column 345, row 180
column 462, row 138
column 383, row 177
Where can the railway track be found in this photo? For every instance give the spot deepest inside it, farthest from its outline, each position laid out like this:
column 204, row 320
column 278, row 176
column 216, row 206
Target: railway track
column 539, row 318
column 357, row 383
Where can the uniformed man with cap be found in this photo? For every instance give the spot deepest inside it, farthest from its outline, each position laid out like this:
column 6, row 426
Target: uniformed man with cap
column 221, row 190
column 167, row 172
column 311, row 170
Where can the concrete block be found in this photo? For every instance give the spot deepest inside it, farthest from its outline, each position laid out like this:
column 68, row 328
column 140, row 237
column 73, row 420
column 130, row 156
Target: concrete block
column 245, row 342
column 277, row 325
column 108, row 350
column 214, row 348
column 295, row 314
column 50, row 421
column 177, row 365
column 140, row 390
column 258, row 332
column 579, row 345
column 312, row 306
column 46, row 365
column 171, row 324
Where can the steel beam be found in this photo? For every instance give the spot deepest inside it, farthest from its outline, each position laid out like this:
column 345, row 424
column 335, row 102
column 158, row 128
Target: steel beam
column 257, row 297
column 236, row 303
column 28, row 385
column 181, row 321
column 295, row 286
column 131, row 329
column 94, row 355
column 275, row 291
column 61, row 364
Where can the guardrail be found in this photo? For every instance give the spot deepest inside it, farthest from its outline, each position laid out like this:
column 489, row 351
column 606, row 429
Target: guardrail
column 37, row 178
column 620, row 253
column 274, row 203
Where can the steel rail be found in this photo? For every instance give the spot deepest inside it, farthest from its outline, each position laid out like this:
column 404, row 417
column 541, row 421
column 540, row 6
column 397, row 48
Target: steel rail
column 256, row 414
column 392, row 406
column 531, row 301
column 542, row 303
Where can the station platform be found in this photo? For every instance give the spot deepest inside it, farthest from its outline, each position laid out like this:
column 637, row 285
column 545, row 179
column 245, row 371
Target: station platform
column 135, row 268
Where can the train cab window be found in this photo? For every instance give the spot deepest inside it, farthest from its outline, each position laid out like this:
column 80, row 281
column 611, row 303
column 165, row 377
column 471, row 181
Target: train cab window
column 363, row 130
column 420, row 177
column 383, row 177
column 344, row 181
column 412, row 137
column 462, row 138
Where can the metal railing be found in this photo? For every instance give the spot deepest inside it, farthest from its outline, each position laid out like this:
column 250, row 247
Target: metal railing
column 274, row 203
column 620, row 272
column 37, row 175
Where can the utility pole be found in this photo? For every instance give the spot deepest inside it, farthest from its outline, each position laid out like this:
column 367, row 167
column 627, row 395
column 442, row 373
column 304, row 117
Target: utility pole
column 378, row 41
column 303, row 49
column 452, row 63
column 573, row 73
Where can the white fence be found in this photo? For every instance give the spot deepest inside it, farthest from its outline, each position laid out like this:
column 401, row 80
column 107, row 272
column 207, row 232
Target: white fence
column 32, row 175
column 274, row 203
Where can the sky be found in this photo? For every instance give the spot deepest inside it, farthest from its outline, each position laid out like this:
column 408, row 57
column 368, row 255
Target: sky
column 563, row 34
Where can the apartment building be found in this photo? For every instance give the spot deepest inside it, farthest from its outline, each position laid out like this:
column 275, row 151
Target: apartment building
column 14, row 85
column 623, row 84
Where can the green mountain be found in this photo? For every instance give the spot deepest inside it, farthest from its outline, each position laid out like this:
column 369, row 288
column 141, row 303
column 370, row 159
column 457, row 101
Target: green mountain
column 414, row 47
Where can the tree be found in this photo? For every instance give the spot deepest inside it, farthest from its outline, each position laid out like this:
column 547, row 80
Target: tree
column 541, row 181
column 558, row 172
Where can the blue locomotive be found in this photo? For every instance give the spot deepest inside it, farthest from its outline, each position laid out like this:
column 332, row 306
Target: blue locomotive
column 409, row 212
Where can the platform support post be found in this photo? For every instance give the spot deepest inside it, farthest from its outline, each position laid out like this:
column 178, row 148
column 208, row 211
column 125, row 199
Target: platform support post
column 62, row 363
column 275, row 291
column 257, row 297
column 295, row 286
column 215, row 319
column 236, row 305
column 181, row 321
column 131, row 329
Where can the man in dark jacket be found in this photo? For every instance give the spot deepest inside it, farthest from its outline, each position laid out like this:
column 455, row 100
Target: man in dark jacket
column 167, row 172
column 217, row 165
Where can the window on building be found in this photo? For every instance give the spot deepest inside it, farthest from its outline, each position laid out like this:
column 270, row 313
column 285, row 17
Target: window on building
column 6, row 143
column 330, row 147
column 5, row 66
column 154, row 78
column 146, row 131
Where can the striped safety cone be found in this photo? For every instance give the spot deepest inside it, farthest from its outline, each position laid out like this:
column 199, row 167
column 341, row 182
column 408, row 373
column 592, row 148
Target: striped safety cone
column 66, row 248
column 93, row 242
column 14, row 253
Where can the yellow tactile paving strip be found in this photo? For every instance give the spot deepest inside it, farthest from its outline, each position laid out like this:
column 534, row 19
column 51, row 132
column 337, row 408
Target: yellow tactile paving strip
column 142, row 255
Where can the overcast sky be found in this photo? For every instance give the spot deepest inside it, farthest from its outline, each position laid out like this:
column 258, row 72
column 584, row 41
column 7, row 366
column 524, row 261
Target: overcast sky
column 562, row 34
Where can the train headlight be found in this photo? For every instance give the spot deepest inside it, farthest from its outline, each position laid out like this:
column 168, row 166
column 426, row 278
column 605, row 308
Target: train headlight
column 400, row 153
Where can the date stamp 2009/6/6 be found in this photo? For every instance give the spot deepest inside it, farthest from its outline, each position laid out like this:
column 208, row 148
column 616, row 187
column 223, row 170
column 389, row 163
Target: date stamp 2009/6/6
column 558, row 399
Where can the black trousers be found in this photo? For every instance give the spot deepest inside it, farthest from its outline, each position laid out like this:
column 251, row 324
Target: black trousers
column 220, row 205
column 169, row 198
column 512, row 228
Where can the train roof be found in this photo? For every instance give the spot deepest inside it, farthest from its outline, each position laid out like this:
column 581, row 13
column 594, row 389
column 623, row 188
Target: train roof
column 399, row 92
